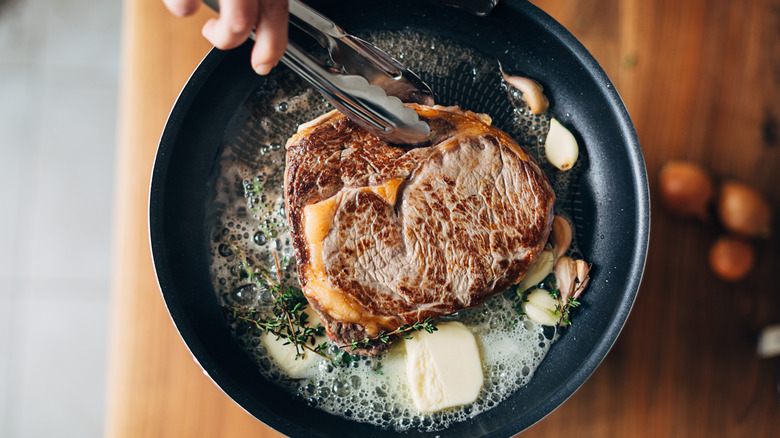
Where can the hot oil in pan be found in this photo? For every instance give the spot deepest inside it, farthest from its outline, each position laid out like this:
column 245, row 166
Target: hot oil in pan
column 248, row 222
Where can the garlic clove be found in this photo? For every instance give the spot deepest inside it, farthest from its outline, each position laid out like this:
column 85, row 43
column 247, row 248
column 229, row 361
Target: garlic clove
column 540, row 269
column 560, row 146
column 533, row 93
column 565, row 277
column 541, row 307
column 583, row 276
column 561, row 236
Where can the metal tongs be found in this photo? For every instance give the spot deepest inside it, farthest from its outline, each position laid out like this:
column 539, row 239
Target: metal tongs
column 374, row 86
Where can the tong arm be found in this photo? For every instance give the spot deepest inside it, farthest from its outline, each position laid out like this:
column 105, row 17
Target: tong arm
column 366, row 104
column 359, row 57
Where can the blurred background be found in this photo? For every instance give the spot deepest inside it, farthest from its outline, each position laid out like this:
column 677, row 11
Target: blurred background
column 59, row 63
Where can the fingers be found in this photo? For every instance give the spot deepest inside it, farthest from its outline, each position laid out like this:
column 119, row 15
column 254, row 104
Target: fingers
column 182, row 8
column 235, row 23
column 270, row 35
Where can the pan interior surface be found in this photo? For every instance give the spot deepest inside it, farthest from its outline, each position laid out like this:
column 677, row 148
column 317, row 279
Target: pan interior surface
column 608, row 201
column 249, row 227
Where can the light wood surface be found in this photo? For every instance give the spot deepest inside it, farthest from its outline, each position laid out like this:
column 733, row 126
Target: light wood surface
column 155, row 387
column 701, row 81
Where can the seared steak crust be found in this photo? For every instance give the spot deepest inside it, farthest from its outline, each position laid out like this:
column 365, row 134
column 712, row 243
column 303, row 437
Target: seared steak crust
column 387, row 235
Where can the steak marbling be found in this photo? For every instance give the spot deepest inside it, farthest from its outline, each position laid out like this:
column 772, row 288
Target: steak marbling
column 387, row 235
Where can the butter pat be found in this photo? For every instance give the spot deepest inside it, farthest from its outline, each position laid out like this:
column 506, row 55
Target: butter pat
column 443, row 368
column 283, row 352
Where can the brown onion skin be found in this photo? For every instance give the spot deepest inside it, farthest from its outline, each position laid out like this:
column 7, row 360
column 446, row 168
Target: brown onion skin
column 731, row 258
column 686, row 189
column 743, row 210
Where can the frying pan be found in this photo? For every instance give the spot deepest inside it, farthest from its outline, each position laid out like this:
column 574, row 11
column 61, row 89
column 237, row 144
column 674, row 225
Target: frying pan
column 612, row 203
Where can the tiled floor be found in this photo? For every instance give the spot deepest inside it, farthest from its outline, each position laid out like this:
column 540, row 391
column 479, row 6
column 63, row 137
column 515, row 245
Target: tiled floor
column 59, row 62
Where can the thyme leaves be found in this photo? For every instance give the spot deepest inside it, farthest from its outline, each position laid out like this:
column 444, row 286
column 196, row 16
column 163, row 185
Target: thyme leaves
column 287, row 319
column 386, row 337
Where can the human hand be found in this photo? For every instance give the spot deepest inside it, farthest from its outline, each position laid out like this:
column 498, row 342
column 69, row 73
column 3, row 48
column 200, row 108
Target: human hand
column 236, row 20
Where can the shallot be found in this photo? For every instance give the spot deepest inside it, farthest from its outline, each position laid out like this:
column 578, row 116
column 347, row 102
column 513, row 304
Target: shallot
column 686, row 189
column 744, row 210
column 731, row 258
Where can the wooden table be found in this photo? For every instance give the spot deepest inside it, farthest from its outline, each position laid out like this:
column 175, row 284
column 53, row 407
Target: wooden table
column 701, row 80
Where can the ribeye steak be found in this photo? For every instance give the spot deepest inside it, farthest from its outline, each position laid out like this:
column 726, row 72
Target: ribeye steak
column 387, row 235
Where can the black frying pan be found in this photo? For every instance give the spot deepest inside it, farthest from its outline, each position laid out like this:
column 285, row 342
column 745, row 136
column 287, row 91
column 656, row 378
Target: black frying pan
column 612, row 204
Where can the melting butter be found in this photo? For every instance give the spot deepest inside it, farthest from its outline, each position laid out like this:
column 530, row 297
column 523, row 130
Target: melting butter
column 285, row 355
column 443, row 368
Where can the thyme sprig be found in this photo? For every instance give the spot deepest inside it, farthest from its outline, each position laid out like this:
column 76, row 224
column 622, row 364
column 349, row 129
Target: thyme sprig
column 287, row 318
column 562, row 312
column 385, row 337
column 295, row 330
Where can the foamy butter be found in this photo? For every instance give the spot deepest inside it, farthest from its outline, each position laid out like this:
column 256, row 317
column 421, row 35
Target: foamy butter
column 378, row 391
column 247, row 213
